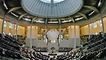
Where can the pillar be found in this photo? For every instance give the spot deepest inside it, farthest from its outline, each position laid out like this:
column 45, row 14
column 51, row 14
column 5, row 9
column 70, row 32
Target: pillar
column 34, row 32
column 16, row 30
column 3, row 26
column 59, row 35
column 74, row 36
column 71, row 32
column 89, row 30
column 102, row 24
column 31, row 36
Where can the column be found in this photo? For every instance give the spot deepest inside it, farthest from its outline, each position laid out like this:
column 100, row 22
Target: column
column 74, row 36
column 45, row 29
column 89, row 30
column 3, row 26
column 46, row 26
column 102, row 24
column 31, row 36
column 59, row 35
column 34, row 32
column 45, row 38
column 16, row 30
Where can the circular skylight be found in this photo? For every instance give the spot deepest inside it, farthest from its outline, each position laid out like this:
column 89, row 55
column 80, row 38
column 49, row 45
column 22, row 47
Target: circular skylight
column 51, row 1
column 66, row 8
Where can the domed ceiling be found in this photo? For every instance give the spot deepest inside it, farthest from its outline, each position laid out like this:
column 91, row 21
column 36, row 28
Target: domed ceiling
column 52, row 11
column 51, row 8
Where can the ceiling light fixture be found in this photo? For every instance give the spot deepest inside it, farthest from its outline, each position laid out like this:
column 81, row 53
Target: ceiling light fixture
column 5, row 5
column 91, row 13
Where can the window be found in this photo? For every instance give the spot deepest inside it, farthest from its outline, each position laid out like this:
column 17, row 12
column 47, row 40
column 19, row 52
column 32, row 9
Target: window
column 100, row 22
column 39, row 21
column 95, row 25
column 50, row 1
column 53, row 21
column 58, row 1
column 65, row 21
column 46, row 1
column 5, row 23
column 11, row 25
column 27, row 19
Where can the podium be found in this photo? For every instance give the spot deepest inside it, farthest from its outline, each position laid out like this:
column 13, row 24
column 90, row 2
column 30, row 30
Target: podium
column 55, row 45
column 52, row 51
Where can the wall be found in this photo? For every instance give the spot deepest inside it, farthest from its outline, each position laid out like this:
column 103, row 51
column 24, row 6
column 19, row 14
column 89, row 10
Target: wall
column 84, row 29
column 104, row 20
column 7, row 30
column 21, row 31
column 0, row 24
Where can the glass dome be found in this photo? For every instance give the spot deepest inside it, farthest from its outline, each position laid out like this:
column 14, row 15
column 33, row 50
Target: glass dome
column 51, row 1
column 46, row 8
